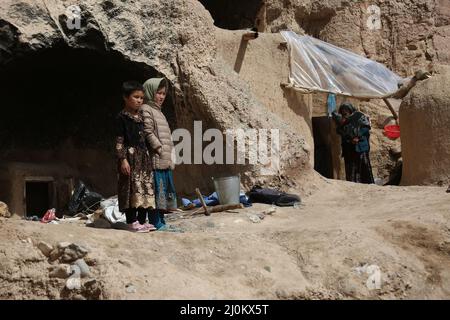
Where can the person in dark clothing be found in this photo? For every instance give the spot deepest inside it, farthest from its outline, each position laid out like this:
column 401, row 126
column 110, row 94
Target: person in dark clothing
column 354, row 128
column 134, row 162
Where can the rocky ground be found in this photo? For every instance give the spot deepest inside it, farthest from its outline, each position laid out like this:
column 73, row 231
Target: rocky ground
column 331, row 247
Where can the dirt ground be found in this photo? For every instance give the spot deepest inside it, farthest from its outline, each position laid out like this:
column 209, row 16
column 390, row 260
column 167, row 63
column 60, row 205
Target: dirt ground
column 309, row 252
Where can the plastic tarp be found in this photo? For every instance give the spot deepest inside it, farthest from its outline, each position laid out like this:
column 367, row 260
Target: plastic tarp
column 319, row 66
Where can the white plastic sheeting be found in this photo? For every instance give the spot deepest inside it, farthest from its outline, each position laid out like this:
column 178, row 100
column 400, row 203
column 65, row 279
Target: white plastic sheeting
column 111, row 210
column 320, row 66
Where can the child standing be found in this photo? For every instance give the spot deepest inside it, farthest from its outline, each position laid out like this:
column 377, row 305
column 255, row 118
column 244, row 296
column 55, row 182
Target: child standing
column 159, row 138
column 134, row 162
column 354, row 128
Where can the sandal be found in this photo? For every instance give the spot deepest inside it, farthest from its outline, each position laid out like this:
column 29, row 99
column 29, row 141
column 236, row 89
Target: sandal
column 137, row 227
column 149, row 226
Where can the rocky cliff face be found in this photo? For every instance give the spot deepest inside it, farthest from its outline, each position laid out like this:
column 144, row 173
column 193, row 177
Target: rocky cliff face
column 177, row 39
column 403, row 34
column 425, row 121
column 172, row 38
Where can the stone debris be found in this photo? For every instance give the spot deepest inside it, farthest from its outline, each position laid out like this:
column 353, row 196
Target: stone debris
column 83, row 267
column 45, row 248
column 55, row 254
column 60, row 271
column 270, row 211
column 130, row 288
column 73, row 283
column 374, row 280
column 254, row 218
column 63, row 245
column 73, row 252
column 75, row 271
column 4, row 210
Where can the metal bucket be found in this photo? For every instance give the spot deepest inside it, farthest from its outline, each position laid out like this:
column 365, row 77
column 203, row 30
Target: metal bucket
column 228, row 189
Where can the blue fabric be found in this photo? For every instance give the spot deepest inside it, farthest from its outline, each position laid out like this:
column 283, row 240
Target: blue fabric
column 213, row 200
column 331, row 103
column 245, row 201
column 165, row 194
column 363, row 144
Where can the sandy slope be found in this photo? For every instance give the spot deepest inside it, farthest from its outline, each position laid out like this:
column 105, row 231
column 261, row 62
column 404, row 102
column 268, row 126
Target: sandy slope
column 308, row 252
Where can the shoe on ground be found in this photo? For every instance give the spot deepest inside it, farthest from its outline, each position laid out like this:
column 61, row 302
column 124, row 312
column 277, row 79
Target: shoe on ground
column 137, row 227
column 149, row 226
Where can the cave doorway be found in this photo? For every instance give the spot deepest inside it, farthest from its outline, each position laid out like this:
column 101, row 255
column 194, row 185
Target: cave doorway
column 327, row 149
column 38, row 196
column 322, row 146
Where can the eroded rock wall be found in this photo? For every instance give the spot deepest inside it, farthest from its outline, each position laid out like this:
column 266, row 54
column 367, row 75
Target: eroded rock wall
column 405, row 35
column 177, row 39
column 425, row 122
column 411, row 33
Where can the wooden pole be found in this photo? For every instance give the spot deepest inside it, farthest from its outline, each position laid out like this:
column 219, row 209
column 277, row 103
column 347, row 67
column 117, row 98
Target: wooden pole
column 215, row 209
column 205, row 207
column 394, row 113
column 250, row 36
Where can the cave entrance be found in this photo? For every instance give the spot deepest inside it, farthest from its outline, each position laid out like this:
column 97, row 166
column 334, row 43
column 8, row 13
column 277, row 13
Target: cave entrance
column 58, row 110
column 234, row 14
column 327, row 160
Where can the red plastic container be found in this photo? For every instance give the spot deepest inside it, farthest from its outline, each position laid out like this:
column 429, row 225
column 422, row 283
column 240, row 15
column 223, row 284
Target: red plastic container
column 392, row 131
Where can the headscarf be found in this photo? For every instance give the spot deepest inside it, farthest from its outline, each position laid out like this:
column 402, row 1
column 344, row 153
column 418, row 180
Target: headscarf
column 150, row 88
column 354, row 122
column 347, row 106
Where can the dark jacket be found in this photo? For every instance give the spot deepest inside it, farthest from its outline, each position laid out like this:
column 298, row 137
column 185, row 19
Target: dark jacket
column 356, row 125
column 129, row 133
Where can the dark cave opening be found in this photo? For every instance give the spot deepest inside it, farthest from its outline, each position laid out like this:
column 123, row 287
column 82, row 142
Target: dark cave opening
column 234, row 14
column 58, row 110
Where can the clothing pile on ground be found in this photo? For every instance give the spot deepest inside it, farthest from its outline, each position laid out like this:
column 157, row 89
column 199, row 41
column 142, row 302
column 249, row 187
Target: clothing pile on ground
column 272, row 196
column 212, row 200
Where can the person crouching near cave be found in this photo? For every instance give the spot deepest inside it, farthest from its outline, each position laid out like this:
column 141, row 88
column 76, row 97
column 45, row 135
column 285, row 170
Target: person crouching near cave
column 354, row 128
column 134, row 162
column 159, row 139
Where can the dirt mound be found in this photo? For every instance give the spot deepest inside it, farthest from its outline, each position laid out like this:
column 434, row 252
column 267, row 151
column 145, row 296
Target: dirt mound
column 332, row 247
column 26, row 273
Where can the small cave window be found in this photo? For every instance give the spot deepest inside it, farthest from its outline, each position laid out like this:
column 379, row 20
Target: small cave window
column 234, row 14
